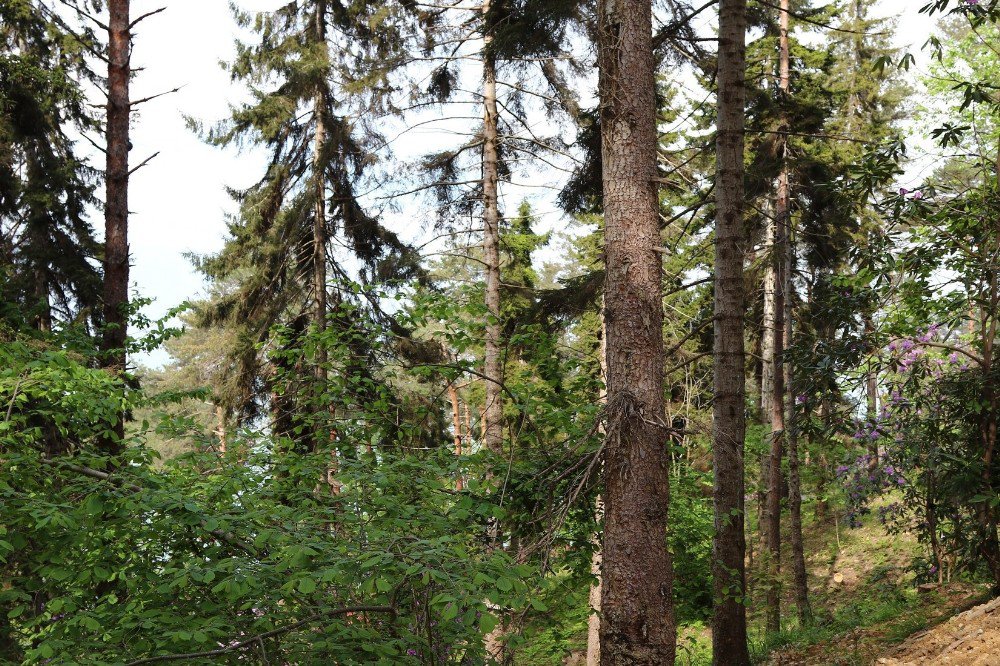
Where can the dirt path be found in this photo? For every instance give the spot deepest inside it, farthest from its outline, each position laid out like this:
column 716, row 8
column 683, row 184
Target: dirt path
column 969, row 639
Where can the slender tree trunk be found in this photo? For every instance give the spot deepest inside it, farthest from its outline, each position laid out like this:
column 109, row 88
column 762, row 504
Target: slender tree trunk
column 220, row 427
column 493, row 413
column 988, row 432
column 319, row 216
column 492, row 365
column 871, row 390
column 116, row 268
column 35, row 228
column 782, row 222
column 800, row 578
column 457, row 425
column 637, row 622
column 594, row 619
column 729, row 624
column 767, row 351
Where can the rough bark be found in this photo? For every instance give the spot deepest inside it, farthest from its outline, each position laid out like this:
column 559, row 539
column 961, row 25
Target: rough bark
column 116, row 268
column 493, row 411
column 492, row 362
column 729, row 628
column 637, row 622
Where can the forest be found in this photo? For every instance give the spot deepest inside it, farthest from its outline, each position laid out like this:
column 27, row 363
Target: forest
column 546, row 332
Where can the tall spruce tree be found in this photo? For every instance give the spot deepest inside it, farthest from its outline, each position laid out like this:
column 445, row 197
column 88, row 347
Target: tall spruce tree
column 729, row 628
column 48, row 252
column 637, row 623
column 312, row 99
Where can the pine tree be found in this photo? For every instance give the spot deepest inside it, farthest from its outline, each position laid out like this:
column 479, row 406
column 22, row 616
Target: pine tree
column 47, row 247
column 116, row 176
column 637, row 624
column 729, row 630
column 311, row 121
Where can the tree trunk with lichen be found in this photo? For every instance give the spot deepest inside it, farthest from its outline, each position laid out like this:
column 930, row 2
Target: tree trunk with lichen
column 778, row 261
column 493, row 411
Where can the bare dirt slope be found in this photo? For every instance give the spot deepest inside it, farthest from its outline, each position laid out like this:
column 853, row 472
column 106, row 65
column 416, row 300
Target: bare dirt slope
column 969, row 639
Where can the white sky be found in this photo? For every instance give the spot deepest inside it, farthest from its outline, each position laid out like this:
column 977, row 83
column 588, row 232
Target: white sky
column 179, row 200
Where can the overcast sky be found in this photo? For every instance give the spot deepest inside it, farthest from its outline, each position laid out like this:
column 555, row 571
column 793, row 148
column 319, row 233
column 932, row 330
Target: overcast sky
column 178, row 200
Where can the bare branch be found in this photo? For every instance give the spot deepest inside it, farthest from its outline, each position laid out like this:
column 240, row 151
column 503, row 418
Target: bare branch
column 145, row 16
column 143, row 163
column 152, row 97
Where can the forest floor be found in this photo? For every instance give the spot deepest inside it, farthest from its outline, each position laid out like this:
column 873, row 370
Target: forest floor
column 870, row 611
column 971, row 638
column 935, row 635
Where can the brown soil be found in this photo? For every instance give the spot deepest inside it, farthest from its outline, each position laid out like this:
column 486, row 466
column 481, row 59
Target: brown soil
column 969, row 639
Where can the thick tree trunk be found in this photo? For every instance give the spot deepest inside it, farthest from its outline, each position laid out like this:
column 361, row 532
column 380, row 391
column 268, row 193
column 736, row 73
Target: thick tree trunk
column 729, row 627
column 637, row 623
column 493, row 412
column 116, row 266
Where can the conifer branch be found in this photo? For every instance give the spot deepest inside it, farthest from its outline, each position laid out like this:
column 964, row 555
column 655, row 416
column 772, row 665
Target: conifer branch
column 152, row 97
column 145, row 16
column 826, row 26
column 81, row 12
column 143, row 163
